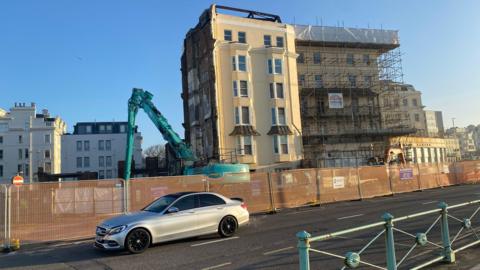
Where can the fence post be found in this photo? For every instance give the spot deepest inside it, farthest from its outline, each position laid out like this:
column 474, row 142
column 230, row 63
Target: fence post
column 389, row 242
column 270, row 191
column 448, row 254
column 359, row 183
column 126, row 195
column 303, row 250
column 419, row 177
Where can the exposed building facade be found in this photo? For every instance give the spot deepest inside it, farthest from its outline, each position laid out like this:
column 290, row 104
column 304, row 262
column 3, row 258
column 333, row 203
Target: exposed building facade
column 98, row 147
column 240, row 92
column 427, row 149
column 434, row 123
column 341, row 74
column 29, row 142
column 466, row 140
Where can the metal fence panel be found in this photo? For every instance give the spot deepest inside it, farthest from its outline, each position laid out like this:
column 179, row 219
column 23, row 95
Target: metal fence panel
column 339, row 184
column 255, row 192
column 470, row 171
column 374, row 181
column 404, row 178
column 62, row 210
column 294, row 188
column 144, row 190
column 428, row 176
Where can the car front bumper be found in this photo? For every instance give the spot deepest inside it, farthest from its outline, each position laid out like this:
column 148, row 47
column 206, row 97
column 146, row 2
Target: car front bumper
column 111, row 242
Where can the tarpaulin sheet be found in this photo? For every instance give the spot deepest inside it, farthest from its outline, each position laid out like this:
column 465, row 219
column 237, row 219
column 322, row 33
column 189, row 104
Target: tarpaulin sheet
column 294, row 188
column 374, row 181
column 338, row 185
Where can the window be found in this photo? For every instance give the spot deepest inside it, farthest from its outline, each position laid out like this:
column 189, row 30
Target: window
column 1, row 154
column 86, row 162
column 1, row 139
column 396, row 102
column 352, row 79
column 280, row 42
column 235, row 88
column 243, row 89
column 274, row 116
column 185, row 203
column 318, row 81
column 47, row 138
column 79, row 162
column 317, row 58
column 108, row 145
column 417, row 117
column 27, row 153
column 244, row 145
column 20, row 154
column 275, row 66
column 101, row 174
column 20, row 139
column 27, row 169
column 405, row 102
column 86, row 145
column 88, row 129
column 267, row 40
column 281, row 116
column 242, row 37
column 227, row 35
column 280, row 144
column 123, row 129
column 239, row 63
column 276, row 90
column 367, row 80
column 301, row 80
column 109, row 128
column 101, row 161
column 19, row 168
column 3, row 127
column 414, row 102
column 101, row 145
column 1, row 170
column 108, row 161
column 237, row 116
column 366, row 59
column 245, row 115
column 101, row 128
column 48, row 167
column 301, row 58
column 210, row 200
column 109, row 174
column 79, row 145
column 47, row 154
column 350, row 59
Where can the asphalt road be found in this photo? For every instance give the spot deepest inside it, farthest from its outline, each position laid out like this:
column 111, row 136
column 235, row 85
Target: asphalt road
column 268, row 242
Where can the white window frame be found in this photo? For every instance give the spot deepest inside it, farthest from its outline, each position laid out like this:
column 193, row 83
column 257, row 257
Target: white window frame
column 283, row 41
column 273, row 89
column 245, row 37
column 277, row 144
column 238, row 114
column 236, row 63
column 267, row 39
column 276, row 116
column 240, row 144
column 272, row 66
column 225, row 34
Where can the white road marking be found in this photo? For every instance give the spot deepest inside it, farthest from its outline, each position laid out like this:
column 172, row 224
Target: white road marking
column 276, row 251
column 214, row 241
column 359, row 215
column 217, row 266
column 299, row 212
column 429, row 202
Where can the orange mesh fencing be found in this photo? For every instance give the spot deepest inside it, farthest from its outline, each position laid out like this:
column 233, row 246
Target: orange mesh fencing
column 470, row 171
column 428, row 176
column 403, row 178
column 145, row 190
column 3, row 215
column 444, row 177
column 294, row 188
column 62, row 210
column 255, row 192
column 374, row 182
column 339, row 184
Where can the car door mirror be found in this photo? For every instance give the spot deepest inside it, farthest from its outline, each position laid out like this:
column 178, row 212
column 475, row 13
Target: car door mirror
column 172, row 210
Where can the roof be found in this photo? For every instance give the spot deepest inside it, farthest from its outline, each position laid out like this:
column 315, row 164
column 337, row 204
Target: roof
column 358, row 37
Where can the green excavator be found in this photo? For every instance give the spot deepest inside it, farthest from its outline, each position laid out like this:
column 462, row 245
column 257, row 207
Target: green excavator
column 184, row 159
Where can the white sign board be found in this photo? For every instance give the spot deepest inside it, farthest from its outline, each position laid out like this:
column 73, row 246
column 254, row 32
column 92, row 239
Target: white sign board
column 335, row 100
column 338, row 182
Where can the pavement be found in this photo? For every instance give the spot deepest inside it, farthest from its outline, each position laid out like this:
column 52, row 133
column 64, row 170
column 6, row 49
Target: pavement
column 269, row 242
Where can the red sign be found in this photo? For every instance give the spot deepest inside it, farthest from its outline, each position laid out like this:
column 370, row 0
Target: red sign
column 17, row 180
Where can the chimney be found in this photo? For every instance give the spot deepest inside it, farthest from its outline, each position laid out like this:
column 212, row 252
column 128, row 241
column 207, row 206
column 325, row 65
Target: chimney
column 32, row 104
column 45, row 113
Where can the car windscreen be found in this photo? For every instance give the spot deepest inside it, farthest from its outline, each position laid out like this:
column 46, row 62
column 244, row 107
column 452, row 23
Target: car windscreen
column 160, row 204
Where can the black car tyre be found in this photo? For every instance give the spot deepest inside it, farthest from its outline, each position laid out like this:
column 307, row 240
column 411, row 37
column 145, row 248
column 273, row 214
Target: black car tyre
column 137, row 241
column 228, row 226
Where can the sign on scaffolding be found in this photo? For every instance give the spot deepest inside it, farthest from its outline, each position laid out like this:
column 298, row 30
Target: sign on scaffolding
column 406, row 174
column 335, row 100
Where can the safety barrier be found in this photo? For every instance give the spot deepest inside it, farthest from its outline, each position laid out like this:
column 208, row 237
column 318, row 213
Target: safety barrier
column 446, row 235
column 41, row 212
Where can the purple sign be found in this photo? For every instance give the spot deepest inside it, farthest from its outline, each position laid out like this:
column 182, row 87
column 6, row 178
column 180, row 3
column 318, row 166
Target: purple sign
column 406, row 174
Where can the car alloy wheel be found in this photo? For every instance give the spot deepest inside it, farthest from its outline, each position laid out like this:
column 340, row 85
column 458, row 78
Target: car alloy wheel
column 228, row 226
column 138, row 241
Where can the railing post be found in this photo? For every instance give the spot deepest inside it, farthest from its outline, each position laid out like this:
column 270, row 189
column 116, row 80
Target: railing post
column 303, row 250
column 448, row 254
column 389, row 242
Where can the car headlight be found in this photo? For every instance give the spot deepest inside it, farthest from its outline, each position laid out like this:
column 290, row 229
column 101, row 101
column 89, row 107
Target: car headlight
column 117, row 229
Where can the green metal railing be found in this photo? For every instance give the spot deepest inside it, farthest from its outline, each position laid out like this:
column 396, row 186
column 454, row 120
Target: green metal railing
column 353, row 259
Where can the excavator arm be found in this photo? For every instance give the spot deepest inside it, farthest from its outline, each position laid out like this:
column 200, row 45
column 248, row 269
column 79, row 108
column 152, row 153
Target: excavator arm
column 141, row 99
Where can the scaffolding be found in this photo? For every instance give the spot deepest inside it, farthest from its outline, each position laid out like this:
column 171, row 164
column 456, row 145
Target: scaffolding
column 359, row 66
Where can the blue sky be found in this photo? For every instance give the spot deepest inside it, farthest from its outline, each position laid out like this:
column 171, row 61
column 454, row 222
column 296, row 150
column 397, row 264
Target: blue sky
column 80, row 59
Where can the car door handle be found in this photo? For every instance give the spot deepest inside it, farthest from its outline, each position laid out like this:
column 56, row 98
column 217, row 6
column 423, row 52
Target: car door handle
column 220, row 208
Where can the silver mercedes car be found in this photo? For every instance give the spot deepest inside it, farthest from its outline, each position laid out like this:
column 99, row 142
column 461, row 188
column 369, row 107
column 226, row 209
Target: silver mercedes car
column 171, row 217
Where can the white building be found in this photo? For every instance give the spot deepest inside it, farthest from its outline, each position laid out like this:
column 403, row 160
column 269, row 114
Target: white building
column 434, row 123
column 29, row 140
column 98, row 147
